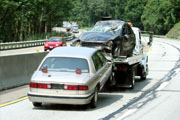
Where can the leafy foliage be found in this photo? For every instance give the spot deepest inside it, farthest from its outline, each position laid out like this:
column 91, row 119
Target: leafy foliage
column 174, row 32
column 21, row 19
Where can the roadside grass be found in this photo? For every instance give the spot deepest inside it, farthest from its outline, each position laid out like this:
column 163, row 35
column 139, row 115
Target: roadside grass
column 174, row 33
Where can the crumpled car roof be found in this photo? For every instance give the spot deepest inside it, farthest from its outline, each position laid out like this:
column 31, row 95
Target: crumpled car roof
column 109, row 23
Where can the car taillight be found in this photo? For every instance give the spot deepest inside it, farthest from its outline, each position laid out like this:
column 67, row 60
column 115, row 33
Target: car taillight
column 70, row 87
column 78, row 71
column 45, row 86
column 33, row 85
column 44, row 70
column 83, row 87
column 40, row 85
column 75, row 87
column 123, row 68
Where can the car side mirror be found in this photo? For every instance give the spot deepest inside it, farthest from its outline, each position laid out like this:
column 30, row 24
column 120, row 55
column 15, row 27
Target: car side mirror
column 75, row 42
column 108, row 58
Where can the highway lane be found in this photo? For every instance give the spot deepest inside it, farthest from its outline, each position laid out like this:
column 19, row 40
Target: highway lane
column 162, row 83
column 162, row 102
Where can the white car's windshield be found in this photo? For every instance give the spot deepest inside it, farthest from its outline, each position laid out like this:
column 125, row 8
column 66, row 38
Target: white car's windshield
column 65, row 64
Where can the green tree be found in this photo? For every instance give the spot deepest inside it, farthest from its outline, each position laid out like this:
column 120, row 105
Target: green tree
column 133, row 12
column 160, row 16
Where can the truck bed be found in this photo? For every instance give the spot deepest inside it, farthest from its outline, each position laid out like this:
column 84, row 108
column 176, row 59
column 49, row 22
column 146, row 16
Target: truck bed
column 128, row 60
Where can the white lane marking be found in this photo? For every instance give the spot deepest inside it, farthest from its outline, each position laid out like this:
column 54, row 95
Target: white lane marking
column 162, row 86
column 129, row 112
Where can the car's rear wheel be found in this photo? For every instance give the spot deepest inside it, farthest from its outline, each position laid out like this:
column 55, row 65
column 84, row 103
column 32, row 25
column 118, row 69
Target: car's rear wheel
column 37, row 104
column 94, row 99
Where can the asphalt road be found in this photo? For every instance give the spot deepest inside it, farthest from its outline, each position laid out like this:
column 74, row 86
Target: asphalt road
column 156, row 98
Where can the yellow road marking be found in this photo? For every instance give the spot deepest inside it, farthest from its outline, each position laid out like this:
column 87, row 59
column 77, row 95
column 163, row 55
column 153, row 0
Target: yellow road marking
column 14, row 101
column 149, row 50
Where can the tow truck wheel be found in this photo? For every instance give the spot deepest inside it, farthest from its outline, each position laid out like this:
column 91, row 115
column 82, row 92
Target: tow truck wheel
column 144, row 73
column 132, row 78
column 143, row 76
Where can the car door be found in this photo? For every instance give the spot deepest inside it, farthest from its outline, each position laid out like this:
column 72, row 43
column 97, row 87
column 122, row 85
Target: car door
column 107, row 68
column 99, row 67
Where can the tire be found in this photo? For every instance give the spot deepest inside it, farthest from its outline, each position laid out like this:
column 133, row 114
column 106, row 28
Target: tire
column 37, row 104
column 132, row 78
column 94, row 99
column 144, row 74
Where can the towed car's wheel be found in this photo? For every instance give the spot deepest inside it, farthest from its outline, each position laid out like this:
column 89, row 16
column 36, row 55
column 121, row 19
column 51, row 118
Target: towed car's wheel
column 94, row 99
column 37, row 104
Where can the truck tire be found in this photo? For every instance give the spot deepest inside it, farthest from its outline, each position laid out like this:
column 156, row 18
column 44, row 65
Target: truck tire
column 143, row 76
column 132, row 78
column 144, row 73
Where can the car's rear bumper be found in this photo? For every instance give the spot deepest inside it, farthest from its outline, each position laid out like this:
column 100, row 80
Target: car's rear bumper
column 76, row 100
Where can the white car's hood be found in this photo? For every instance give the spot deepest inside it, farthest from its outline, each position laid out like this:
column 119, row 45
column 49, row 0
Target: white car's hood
column 60, row 77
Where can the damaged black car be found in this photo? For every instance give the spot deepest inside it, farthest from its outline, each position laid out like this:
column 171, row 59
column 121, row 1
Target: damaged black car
column 113, row 37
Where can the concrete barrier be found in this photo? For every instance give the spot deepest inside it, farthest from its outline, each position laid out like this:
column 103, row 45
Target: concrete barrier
column 17, row 70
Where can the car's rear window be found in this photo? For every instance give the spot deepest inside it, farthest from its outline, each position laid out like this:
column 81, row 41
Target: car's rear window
column 55, row 40
column 66, row 64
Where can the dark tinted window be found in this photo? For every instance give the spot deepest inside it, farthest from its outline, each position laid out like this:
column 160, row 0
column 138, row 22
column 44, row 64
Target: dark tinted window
column 55, row 40
column 97, row 62
column 102, row 58
column 65, row 64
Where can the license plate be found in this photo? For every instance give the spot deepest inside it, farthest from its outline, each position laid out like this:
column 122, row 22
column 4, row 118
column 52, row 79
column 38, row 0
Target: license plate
column 57, row 86
column 51, row 46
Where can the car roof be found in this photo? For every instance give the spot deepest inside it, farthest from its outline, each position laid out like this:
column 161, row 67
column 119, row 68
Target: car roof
column 111, row 22
column 79, row 52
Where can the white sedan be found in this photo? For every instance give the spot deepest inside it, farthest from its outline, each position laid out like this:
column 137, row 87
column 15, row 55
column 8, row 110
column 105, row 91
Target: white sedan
column 70, row 75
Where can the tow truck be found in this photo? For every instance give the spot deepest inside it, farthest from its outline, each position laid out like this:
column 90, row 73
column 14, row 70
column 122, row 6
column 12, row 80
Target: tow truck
column 126, row 68
column 121, row 44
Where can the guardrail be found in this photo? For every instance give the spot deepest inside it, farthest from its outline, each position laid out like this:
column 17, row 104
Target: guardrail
column 25, row 44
